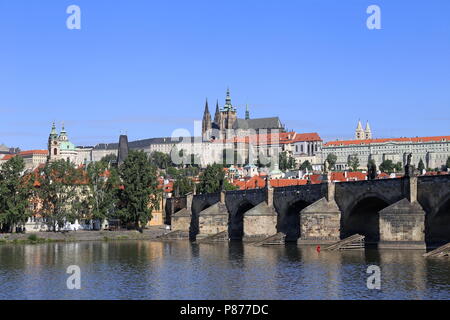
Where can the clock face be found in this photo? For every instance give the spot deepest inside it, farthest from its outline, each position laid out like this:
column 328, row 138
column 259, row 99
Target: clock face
column 54, row 142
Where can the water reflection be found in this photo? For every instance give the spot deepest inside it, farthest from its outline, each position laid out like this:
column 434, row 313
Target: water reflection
column 182, row 270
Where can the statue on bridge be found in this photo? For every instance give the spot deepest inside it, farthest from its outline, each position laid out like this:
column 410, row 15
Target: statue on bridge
column 371, row 170
column 325, row 166
column 409, row 169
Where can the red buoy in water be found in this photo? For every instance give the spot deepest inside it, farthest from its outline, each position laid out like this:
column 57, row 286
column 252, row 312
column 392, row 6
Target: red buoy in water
column 318, row 249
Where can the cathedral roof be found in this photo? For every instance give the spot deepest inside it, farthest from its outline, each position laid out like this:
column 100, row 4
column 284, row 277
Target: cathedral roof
column 258, row 123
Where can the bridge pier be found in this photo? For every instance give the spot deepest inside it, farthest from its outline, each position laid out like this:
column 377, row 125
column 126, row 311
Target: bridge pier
column 260, row 222
column 402, row 224
column 214, row 219
column 181, row 220
column 320, row 222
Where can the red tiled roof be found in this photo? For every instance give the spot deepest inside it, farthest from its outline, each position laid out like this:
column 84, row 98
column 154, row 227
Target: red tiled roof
column 258, row 182
column 252, row 183
column 313, row 136
column 276, row 183
column 269, row 138
column 371, row 141
column 25, row 153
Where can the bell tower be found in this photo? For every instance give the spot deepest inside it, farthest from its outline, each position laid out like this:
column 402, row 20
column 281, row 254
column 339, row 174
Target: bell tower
column 53, row 145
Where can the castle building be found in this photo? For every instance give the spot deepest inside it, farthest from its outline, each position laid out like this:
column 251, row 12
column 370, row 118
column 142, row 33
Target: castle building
column 433, row 151
column 226, row 123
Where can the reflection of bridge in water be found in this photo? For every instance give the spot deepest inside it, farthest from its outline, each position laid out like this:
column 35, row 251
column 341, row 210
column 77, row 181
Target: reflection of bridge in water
column 395, row 213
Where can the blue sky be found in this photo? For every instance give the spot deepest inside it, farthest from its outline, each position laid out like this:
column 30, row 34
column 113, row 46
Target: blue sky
column 146, row 67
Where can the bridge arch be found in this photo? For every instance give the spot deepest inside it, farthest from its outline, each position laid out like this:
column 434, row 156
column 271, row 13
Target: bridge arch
column 236, row 220
column 362, row 217
column 438, row 224
column 289, row 222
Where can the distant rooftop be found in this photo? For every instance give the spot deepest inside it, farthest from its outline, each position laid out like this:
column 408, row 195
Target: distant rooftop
column 375, row 141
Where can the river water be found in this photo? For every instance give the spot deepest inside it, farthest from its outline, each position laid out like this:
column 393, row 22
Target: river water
column 181, row 270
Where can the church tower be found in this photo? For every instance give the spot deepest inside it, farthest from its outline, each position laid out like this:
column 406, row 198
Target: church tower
column 359, row 133
column 53, row 145
column 368, row 131
column 247, row 113
column 206, row 123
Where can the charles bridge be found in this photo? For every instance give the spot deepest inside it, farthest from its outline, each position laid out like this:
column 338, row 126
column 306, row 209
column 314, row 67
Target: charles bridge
column 408, row 212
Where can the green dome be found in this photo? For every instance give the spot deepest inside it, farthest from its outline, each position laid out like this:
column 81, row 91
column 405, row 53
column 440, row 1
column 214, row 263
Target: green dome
column 67, row 145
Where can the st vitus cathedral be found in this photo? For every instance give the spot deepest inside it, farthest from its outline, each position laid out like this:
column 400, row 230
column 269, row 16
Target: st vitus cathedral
column 226, row 123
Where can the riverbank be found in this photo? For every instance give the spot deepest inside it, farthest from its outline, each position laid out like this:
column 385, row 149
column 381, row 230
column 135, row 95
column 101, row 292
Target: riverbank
column 70, row 236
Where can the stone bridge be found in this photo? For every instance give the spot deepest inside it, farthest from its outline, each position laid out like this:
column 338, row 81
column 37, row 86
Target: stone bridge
column 405, row 212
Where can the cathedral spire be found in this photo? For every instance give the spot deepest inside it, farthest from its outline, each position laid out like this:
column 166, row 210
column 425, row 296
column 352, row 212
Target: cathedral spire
column 228, row 106
column 206, row 123
column 247, row 113
column 206, row 108
column 217, row 114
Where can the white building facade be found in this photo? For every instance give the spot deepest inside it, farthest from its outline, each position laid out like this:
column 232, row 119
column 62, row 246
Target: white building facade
column 433, row 151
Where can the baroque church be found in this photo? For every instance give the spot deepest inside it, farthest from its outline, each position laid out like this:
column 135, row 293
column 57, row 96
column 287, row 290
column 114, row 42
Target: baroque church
column 60, row 147
column 226, row 123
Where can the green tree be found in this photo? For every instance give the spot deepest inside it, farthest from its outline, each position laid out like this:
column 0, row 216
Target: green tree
column 172, row 173
column 387, row 166
column 139, row 193
column 306, row 165
column 60, row 187
column 286, row 162
column 109, row 158
column 353, row 162
column 398, row 167
column 15, row 190
column 227, row 186
column 103, row 185
column 332, row 159
column 160, row 160
column 183, row 185
column 211, row 178
column 191, row 171
column 421, row 166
